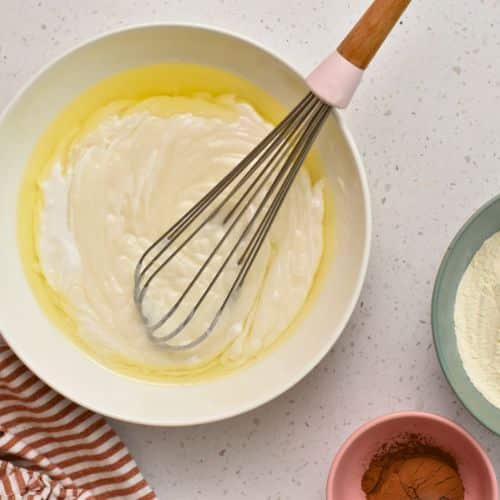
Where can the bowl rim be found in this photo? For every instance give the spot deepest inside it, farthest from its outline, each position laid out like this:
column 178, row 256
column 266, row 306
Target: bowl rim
column 371, row 424
column 367, row 215
column 435, row 296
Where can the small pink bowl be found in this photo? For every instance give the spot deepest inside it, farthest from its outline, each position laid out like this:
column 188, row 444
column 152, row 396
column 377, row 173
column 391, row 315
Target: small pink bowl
column 478, row 475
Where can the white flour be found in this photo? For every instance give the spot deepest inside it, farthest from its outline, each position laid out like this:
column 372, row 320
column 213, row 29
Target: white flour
column 477, row 320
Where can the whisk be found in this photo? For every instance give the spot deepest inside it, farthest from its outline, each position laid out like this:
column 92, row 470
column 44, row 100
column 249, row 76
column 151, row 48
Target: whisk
column 262, row 180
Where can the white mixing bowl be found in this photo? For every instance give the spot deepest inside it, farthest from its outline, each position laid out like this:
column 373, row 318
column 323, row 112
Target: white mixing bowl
column 60, row 363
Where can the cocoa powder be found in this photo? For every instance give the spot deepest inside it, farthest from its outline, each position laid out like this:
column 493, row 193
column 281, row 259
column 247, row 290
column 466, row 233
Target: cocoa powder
column 411, row 467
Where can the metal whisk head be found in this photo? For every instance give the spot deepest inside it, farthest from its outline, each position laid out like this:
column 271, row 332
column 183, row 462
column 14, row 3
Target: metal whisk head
column 241, row 209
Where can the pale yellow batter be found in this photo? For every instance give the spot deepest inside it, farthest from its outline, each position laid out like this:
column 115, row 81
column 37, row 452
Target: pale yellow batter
column 120, row 180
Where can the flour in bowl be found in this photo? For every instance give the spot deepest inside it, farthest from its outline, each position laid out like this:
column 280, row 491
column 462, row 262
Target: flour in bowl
column 477, row 320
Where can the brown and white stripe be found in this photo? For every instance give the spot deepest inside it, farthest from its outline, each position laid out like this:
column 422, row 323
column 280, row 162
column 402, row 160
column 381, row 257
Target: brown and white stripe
column 51, row 448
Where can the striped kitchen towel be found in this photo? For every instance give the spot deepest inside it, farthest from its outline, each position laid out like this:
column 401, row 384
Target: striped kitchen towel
column 51, row 448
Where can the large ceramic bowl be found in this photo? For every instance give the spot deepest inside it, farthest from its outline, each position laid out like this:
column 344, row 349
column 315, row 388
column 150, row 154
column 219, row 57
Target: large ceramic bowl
column 53, row 357
column 483, row 224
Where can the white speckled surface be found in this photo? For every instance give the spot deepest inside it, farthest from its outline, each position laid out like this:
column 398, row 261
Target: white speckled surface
column 426, row 120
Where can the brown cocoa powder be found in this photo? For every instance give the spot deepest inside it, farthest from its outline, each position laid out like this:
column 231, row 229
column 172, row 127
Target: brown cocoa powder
column 411, row 467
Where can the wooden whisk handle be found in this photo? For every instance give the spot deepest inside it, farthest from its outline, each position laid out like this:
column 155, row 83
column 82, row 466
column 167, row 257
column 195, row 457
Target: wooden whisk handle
column 364, row 40
column 335, row 80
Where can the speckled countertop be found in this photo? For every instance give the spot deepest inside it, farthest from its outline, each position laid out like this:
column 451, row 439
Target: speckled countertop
column 426, row 120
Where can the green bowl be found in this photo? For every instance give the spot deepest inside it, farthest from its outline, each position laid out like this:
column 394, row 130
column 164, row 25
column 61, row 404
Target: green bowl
column 483, row 224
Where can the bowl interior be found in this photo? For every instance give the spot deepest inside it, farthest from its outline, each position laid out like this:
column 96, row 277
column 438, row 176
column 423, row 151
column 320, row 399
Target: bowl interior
column 353, row 459
column 79, row 377
column 480, row 227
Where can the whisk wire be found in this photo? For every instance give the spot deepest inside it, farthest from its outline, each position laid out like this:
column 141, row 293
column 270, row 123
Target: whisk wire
column 171, row 237
column 262, row 233
column 274, row 209
column 164, row 242
column 281, row 154
column 261, row 206
column 198, row 208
